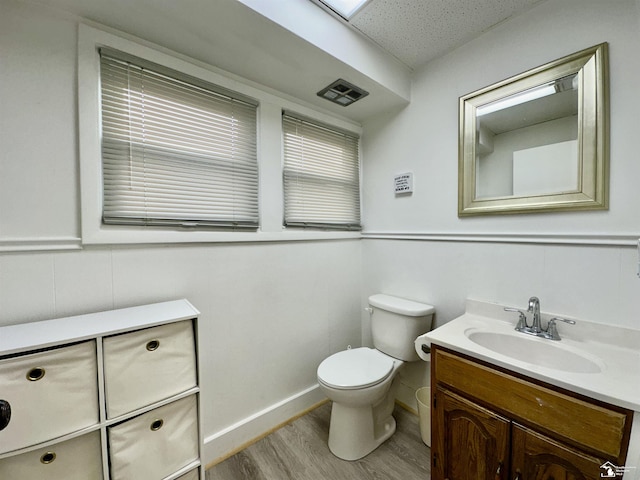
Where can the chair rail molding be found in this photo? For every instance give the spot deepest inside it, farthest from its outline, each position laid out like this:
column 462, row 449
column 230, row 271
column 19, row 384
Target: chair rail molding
column 618, row 240
column 32, row 244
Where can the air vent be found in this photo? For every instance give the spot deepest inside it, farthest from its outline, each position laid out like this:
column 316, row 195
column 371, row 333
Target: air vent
column 342, row 92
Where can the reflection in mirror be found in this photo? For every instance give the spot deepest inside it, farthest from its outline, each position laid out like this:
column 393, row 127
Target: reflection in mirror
column 536, row 142
column 528, row 142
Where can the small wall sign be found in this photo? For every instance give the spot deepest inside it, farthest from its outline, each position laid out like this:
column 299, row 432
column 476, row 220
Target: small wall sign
column 403, row 183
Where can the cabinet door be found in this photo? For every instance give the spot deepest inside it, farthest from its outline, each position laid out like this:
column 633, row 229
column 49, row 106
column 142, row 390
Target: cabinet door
column 536, row 457
column 472, row 443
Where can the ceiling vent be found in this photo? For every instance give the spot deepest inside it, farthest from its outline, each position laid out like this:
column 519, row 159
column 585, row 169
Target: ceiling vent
column 342, row 92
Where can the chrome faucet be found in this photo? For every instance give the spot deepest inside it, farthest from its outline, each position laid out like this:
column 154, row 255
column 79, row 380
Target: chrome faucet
column 536, row 329
column 534, row 310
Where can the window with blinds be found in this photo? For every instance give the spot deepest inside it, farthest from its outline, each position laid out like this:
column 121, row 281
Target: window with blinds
column 175, row 151
column 321, row 176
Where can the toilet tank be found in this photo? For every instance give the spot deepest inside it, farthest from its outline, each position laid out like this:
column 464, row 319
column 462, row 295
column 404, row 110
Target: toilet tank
column 395, row 324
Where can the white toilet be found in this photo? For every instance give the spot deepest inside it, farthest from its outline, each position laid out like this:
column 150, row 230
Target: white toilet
column 359, row 381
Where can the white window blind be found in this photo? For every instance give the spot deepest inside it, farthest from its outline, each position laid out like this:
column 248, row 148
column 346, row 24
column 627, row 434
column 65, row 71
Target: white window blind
column 321, row 176
column 174, row 151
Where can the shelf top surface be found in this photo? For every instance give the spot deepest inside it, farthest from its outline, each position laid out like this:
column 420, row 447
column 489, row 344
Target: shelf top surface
column 49, row 333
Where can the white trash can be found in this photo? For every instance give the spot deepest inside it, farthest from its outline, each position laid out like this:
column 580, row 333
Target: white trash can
column 423, row 397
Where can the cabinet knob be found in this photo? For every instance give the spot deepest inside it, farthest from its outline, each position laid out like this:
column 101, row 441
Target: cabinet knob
column 156, row 424
column 35, row 374
column 47, row 458
column 499, row 472
column 5, row 414
column 518, row 475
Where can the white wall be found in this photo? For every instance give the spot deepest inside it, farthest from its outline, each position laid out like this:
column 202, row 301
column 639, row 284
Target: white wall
column 271, row 311
column 38, row 171
column 444, row 263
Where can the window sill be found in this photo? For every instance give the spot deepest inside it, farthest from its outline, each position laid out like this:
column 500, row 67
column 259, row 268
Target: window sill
column 141, row 236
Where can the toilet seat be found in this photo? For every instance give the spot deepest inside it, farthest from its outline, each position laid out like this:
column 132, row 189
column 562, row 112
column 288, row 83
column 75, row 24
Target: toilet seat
column 355, row 368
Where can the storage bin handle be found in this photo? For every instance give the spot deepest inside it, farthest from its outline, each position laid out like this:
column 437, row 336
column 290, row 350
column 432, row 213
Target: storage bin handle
column 47, row 458
column 35, row 374
column 5, row 414
column 156, row 424
column 153, row 345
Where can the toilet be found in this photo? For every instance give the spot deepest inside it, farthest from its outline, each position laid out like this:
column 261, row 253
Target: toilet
column 360, row 381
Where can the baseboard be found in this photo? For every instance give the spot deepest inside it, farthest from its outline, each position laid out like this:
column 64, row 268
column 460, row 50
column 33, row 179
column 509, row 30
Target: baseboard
column 406, row 407
column 238, row 436
column 406, row 396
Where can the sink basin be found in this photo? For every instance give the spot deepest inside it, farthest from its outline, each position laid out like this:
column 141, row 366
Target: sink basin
column 536, row 351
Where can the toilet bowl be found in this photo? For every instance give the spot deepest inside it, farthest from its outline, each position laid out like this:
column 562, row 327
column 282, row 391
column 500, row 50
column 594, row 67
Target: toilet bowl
column 360, row 381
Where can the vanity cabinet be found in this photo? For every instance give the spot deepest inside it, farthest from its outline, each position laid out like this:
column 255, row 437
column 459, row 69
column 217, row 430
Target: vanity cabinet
column 489, row 423
column 536, row 456
column 480, row 438
column 104, row 396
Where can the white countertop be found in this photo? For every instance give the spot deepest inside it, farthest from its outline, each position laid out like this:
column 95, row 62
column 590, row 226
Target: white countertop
column 615, row 350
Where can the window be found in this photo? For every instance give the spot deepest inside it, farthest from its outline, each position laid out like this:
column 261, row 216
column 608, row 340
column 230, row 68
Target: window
column 347, row 9
column 175, row 150
column 321, row 176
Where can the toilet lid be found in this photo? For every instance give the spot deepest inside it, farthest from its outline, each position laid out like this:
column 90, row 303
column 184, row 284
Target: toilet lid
column 355, row 368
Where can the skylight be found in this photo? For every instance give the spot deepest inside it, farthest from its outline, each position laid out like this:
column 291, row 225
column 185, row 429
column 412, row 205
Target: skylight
column 345, row 8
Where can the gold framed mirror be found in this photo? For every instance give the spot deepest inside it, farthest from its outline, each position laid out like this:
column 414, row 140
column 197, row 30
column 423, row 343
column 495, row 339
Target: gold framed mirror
column 538, row 141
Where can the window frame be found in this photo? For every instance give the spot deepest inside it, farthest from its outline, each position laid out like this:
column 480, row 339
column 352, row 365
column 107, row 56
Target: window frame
column 269, row 148
column 123, row 154
column 288, row 116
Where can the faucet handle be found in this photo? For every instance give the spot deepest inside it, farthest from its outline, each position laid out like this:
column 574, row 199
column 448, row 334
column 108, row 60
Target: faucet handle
column 552, row 330
column 565, row 320
column 522, row 318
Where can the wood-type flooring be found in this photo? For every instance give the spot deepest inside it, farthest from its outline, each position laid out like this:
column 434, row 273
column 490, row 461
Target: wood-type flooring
column 299, row 451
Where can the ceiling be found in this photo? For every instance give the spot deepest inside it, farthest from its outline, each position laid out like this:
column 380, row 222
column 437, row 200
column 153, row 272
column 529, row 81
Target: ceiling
column 295, row 47
column 417, row 31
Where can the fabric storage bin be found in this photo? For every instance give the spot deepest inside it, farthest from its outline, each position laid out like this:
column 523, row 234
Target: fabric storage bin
column 147, row 366
column 50, row 393
column 156, row 443
column 76, row 459
column 192, row 475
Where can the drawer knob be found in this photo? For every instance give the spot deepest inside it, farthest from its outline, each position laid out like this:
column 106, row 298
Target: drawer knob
column 5, row 414
column 35, row 374
column 153, row 345
column 157, row 424
column 47, row 458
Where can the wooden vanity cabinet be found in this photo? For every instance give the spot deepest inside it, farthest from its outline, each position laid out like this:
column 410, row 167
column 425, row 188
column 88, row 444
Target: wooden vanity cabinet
column 537, row 457
column 472, row 441
column 489, row 423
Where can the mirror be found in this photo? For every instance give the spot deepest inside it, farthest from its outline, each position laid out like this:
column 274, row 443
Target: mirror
column 537, row 142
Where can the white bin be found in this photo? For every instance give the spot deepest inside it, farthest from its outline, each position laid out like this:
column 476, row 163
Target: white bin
column 75, row 459
column 147, row 366
column 155, row 444
column 423, row 396
column 51, row 393
column 192, row 475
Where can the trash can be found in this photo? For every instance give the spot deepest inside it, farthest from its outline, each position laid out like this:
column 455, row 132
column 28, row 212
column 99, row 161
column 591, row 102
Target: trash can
column 423, row 396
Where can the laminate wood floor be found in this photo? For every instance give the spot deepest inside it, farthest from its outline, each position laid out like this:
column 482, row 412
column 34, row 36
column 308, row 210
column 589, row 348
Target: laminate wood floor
column 299, row 451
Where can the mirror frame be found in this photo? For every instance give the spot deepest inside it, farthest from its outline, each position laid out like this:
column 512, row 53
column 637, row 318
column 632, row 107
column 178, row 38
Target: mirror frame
column 591, row 66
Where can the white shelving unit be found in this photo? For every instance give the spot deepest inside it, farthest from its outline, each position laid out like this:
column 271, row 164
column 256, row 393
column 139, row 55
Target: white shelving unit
column 112, row 395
